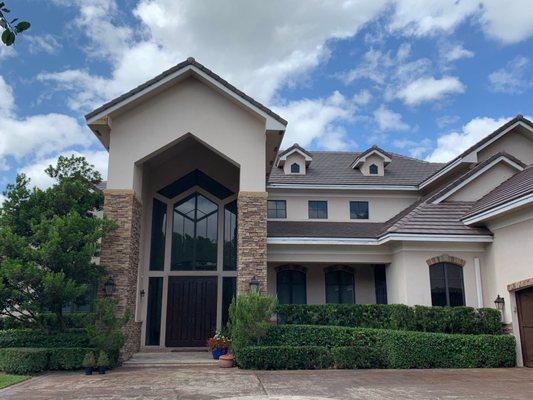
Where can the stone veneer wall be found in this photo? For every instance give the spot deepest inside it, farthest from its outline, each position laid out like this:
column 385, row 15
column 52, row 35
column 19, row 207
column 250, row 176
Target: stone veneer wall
column 120, row 257
column 252, row 240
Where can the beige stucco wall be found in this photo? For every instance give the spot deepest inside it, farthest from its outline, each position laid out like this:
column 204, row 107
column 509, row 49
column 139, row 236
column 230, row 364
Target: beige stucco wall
column 316, row 290
column 294, row 158
column 484, row 183
column 373, row 159
column 188, row 107
column 408, row 274
column 515, row 143
column 382, row 206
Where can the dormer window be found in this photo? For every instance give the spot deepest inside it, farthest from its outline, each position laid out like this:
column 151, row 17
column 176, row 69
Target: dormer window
column 373, row 169
column 295, row 168
column 372, row 162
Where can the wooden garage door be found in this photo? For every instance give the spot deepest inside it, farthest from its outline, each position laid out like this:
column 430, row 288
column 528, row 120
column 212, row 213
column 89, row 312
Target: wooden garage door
column 524, row 301
column 191, row 311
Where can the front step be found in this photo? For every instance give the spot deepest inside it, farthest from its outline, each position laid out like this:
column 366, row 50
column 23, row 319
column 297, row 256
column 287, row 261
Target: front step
column 171, row 359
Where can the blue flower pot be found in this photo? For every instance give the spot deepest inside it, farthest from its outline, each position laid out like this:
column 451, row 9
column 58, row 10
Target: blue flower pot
column 219, row 351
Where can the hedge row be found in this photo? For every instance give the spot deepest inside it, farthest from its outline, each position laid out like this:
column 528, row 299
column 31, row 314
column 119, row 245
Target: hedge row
column 466, row 320
column 308, row 347
column 49, row 320
column 38, row 338
column 32, row 360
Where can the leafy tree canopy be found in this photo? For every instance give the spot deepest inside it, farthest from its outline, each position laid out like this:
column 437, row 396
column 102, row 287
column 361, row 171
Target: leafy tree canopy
column 11, row 27
column 48, row 241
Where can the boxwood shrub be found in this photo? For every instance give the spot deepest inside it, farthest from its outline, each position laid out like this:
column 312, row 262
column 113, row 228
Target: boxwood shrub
column 49, row 320
column 38, row 338
column 375, row 348
column 31, row 360
column 466, row 320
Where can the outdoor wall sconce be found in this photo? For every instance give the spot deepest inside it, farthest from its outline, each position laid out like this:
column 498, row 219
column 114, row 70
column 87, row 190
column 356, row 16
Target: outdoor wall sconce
column 499, row 302
column 109, row 287
column 254, row 285
column 142, row 292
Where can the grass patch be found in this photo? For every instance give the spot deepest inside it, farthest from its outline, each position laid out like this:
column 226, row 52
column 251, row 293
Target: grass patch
column 8, row 380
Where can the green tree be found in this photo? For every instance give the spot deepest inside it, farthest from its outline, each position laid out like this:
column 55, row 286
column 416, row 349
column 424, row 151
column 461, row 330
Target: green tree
column 11, row 28
column 48, row 240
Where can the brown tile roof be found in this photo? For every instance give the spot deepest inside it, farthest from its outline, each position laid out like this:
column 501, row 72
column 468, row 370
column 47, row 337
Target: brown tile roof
column 518, row 185
column 177, row 67
column 324, row 229
column 367, row 151
column 293, row 147
column 333, row 168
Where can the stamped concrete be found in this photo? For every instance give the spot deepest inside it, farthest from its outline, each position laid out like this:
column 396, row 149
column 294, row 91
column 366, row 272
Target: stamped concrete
column 191, row 383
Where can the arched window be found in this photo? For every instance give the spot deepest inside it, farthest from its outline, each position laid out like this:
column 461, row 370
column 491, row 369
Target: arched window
column 295, row 168
column 194, row 234
column 340, row 285
column 447, row 288
column 291, row 285
column 373, row 169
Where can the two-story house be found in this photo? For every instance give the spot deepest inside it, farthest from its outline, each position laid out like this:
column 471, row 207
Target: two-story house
column 208, row 206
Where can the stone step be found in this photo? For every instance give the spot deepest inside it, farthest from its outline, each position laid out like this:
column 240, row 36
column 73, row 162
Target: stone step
column 171, row 359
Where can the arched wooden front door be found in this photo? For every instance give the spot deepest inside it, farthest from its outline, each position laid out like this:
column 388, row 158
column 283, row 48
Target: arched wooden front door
column 524, row 302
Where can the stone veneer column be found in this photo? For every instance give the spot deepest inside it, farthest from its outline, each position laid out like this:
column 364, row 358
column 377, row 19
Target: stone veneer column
column 252, row 240
column 120, row 257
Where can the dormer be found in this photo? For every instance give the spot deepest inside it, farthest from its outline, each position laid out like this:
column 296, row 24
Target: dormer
column 372, row 162
column 294, row 160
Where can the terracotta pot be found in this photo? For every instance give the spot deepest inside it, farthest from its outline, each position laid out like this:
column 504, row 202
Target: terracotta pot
column 226, row 361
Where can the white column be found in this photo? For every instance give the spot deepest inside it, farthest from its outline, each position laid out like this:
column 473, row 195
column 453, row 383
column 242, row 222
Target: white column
column 479, row 288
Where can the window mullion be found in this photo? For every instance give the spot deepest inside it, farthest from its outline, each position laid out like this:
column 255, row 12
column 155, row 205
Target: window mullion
column 446, row 285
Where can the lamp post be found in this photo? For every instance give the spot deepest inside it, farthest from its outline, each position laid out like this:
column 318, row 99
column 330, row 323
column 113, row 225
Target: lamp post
column 109, row 287
column 499, row 302
column 254, row 285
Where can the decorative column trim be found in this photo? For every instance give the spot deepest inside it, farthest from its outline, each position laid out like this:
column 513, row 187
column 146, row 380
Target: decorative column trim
column 519, row 285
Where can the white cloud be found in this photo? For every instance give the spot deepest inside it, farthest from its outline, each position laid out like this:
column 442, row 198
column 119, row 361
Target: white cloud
column 318, row 121
column 37, row 135
column 362, row 97
column 415, row 148
column 39, row 178
column 507, row 21
column 453, row 52
column 388, row 120
column 428, row 89
column 46, row 43
column 2, row 199
column 454, row 143
column 266, row 49
column 513, row 78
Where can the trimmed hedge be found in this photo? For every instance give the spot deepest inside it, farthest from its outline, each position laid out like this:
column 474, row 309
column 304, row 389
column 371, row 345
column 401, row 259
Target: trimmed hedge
column 466, row 320
column 38, row 338
column 305, row 347
column 74, row 320
column 31, row 360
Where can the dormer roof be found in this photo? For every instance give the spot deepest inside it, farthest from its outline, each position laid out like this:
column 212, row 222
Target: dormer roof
column 295, row 148
column 361, row 158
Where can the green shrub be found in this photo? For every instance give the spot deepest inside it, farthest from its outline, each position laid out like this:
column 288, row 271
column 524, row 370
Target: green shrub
column 23, row 361
column 249, row 316
column 284, row 357
column 38, row 338
column 75, row 320
column 465, row 320
column 66, row 358
column 373, row 348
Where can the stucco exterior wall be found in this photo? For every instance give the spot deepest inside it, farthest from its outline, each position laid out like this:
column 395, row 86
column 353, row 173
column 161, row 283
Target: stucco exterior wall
column 381, row 206
column 373, row 159
column 484, row 183
column 408, row 274
column 188, row 107
column 514, row 143
column 294, row 158
column 365, row 292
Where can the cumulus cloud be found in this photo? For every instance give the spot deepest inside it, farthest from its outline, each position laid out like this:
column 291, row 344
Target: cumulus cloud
column 513, row 78
column 507, row 21
column 388, row 120
column 35, row 136
column 415, row 149
column 46, row 43
column 317, row 121
column 428, row 89
column 453, row 52
column 454, row 143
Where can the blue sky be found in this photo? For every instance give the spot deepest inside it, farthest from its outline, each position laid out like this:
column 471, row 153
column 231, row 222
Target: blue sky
column 422, row 78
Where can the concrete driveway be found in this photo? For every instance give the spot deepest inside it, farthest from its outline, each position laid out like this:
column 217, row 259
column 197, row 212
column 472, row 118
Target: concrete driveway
column 213, row 383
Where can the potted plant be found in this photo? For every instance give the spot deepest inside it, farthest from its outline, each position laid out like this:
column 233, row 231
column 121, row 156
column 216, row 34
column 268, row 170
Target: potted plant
column 103, row 362
column 218, row 345
column 226, row 361
column 89, row 362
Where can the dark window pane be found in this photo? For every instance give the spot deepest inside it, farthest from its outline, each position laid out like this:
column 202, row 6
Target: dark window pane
column 229, row 291
column 194, row 234
column 380, row 278
column 295, row 168
column 318, row 209
column 276, row 209
column 291, row 287
column 153, row 311
column 340, row 287
column 373, row 169
column 446, row 285
column 359, row 209
column 230, row 236
column 157, row 246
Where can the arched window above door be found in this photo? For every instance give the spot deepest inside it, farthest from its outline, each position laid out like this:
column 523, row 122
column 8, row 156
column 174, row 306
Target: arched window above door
column 447, row 287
